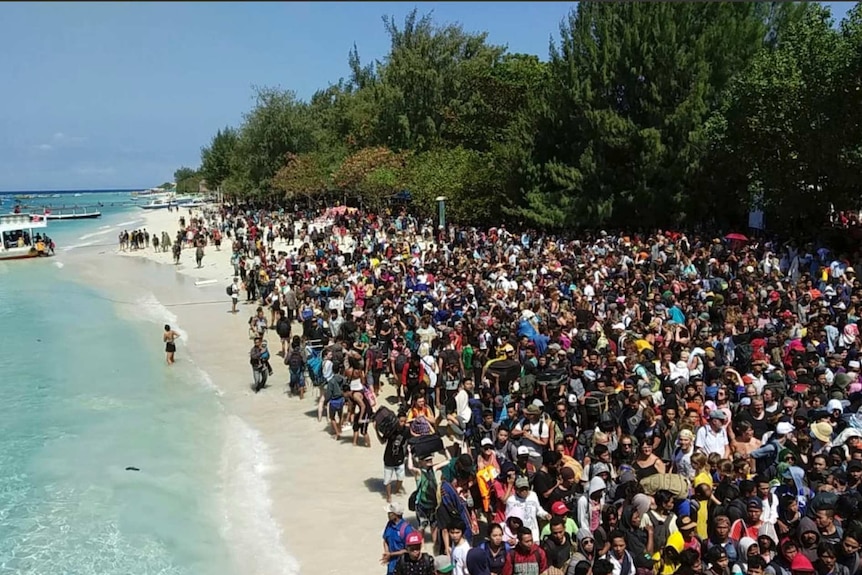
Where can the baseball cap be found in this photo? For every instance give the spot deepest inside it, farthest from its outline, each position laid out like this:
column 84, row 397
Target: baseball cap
column 395, row 508
column 783, row 428
column 443, row 564
column 754, row 503
column 854, row 465
column 559, row 508
column 413, row 538
column 717, row 414
column 522, row 482
column 486, row 441
column 685, row 523
column 523, row 450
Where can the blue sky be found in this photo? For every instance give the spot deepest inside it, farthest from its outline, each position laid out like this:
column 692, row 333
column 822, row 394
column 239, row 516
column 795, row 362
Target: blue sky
column 103, row 95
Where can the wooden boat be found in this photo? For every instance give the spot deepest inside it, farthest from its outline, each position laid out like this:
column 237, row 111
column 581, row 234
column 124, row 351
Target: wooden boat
column 17, row 240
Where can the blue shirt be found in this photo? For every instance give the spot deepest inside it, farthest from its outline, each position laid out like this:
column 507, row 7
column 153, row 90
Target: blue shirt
column 395, row 536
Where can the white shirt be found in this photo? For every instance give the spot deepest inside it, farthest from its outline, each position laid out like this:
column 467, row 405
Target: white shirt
column 459, row 558
column 531, row 508
column 710, row 441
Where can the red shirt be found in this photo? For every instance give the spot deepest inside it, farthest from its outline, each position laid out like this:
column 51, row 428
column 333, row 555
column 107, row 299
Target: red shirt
column 518, row 561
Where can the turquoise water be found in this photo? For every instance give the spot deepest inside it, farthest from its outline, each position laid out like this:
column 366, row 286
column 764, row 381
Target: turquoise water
column 84, row 394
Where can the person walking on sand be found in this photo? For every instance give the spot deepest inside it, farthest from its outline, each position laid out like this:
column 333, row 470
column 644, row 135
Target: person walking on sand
column 170, row 337
column 199, row 254
column 234, row 294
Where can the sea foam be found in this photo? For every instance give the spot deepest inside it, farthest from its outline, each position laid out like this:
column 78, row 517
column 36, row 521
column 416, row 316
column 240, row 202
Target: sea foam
column 150, row 309
column 248, row 520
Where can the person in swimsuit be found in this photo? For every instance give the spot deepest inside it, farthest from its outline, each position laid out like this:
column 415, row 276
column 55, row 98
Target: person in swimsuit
column 647, row 463
column 169, row 337
column 359, row 405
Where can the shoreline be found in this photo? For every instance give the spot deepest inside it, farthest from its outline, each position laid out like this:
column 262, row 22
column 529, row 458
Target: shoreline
column 299, row 452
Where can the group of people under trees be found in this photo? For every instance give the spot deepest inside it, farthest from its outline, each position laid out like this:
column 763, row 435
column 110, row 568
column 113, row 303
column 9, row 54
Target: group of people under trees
column 610, row 403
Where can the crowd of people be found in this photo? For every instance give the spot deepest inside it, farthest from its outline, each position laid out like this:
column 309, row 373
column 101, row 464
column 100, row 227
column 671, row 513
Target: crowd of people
column 609, row 403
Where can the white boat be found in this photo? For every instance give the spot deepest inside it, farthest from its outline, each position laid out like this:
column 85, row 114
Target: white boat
column 72, row 214
column 18, row 240
column 158, row 204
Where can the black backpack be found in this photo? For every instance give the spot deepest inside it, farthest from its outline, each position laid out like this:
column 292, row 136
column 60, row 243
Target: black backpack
column 294, row 361
column 742, row 357
column 282, row 328
column 229, row 290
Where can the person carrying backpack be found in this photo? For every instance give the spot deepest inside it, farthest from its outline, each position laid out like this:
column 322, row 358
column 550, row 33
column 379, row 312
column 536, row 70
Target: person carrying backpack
column 283, row 329
column 296, row 366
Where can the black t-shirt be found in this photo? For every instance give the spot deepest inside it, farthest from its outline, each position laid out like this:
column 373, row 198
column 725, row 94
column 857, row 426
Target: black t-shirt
column 542, row 482
column 760, row 426
column 567, row 496
column 396, row 448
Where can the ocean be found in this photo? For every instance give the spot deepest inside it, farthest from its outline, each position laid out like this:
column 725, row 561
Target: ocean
column 86, row 395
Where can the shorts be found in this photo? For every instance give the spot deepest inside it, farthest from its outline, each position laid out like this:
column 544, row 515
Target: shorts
column 391, row 474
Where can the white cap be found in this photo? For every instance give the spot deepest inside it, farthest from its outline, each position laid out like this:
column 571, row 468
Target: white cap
column 783, row 428
column 523, row 450
column 538, row 403
column 853, row 364
column 486, row 441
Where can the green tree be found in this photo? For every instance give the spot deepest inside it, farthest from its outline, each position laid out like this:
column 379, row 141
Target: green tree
column 631, row 86
column 217, row 158
column 781, row 130
column 461, row 176
column 278, row 125
column 303, row 176
column 373, row 175
column 421, row 76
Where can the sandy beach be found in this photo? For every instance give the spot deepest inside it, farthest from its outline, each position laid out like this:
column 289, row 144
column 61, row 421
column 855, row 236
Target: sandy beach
column 326, row 495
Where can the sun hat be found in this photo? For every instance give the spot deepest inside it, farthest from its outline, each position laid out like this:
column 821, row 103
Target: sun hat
column 822, row 430
column 533, row 410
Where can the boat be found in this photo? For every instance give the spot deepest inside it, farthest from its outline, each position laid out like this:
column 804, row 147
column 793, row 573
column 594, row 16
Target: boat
column 72, row 214
column 158, row 204
column 19, row 241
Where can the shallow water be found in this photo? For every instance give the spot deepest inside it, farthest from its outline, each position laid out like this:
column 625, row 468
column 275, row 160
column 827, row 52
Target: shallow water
column 84, row 394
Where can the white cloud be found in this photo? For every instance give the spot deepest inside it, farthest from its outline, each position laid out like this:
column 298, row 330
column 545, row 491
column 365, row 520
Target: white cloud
column 60, row 140
column 94, row 171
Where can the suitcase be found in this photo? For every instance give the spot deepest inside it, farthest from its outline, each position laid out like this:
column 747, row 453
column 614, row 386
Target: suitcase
column 425, row 445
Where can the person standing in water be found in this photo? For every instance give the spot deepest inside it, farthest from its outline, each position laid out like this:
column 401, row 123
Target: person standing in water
column 170, row 337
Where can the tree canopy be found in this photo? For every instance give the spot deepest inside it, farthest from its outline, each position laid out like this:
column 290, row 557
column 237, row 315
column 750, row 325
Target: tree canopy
column 642, row 114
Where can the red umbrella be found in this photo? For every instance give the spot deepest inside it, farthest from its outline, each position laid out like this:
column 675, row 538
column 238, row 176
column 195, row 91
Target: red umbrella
column 736, row 237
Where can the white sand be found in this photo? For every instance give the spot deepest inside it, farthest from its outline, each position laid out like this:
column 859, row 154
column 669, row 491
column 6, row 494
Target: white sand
column 327, row 496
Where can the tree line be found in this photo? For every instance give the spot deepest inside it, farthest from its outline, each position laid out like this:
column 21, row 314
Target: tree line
column 643, row 115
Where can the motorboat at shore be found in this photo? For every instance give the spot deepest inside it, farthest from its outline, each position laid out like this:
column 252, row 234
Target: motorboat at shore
column 18, row 238
column 72, row 214
column 159, row 204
